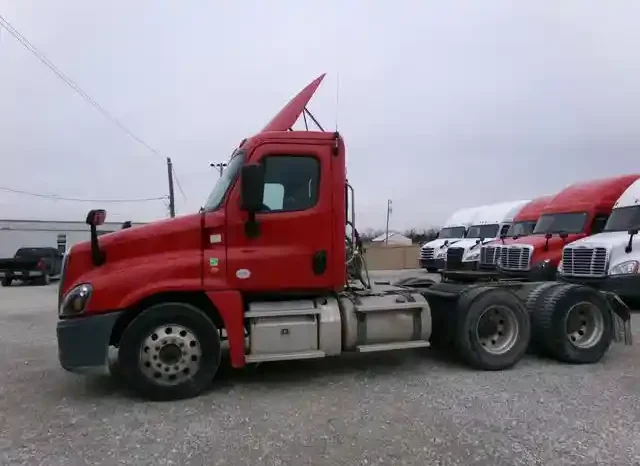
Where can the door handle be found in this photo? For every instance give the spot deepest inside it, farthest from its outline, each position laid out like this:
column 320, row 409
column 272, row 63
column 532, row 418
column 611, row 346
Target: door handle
column 319, row 262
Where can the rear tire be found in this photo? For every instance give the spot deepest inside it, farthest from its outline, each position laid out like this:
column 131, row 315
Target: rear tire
column 576, row 324
column 170, row 351
column 45, row 280
column 6, row 281
column 493, row 331
column 535, row 302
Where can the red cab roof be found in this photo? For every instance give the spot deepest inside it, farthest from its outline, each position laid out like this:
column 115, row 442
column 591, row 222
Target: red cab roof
column 533, row 209
column 593, row 195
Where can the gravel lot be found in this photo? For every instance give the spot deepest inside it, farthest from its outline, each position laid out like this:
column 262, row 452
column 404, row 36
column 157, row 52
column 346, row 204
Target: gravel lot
column 403, row 408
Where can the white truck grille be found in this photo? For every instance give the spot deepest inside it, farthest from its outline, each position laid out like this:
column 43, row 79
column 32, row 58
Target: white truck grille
column 428, row 253
column 515, row 257
column 489, row 255
column 582, row 261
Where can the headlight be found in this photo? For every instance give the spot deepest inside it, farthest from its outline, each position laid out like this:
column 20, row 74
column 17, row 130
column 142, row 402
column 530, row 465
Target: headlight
column 474, row 256
column 560, row 269
column 440, row 253
column 624, row 268
column 75, row 301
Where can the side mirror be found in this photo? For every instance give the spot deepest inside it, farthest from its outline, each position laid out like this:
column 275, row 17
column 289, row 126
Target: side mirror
column 633, row 232
column 252, row 187
column 564, row 235
column 96, row 218
column 503, row 236
column 126, row 224
column 548, row 235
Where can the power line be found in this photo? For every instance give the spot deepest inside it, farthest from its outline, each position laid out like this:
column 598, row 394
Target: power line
column 29, row 46
column 55, row 197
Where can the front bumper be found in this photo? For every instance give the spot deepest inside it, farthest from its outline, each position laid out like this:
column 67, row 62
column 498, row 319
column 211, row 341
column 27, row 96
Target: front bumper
column 83, row 342
column 541, row 272
column 468, row 276
column 432, row 264
column 626, row 286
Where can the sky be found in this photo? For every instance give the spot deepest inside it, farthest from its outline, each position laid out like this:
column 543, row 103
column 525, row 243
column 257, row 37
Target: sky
column 442, row 104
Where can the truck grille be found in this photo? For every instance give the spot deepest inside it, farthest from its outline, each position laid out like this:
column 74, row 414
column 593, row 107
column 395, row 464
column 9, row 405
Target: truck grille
column 584, row 262
column 515, row 257
column 454, row 258
column 428, row 253
column 489, row 255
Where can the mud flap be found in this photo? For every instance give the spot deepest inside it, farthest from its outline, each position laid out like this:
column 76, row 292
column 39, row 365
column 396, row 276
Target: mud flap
column 621, row 318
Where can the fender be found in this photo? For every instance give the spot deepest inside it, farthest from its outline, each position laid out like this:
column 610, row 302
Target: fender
column 229, row 306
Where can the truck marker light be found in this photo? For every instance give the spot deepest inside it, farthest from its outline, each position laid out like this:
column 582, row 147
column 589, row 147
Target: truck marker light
column 243, row 274
column 213, row 262
column 215, row 239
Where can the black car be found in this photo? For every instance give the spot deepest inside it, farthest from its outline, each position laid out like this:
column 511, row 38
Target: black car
column 31, row 265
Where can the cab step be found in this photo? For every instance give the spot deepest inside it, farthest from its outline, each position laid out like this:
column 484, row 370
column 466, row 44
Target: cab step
column 393, row 346
column 251, row 358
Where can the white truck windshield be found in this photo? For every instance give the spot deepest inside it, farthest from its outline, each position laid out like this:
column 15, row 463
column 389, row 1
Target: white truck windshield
column 452, row 232
column 624, row 219
column 483, row 231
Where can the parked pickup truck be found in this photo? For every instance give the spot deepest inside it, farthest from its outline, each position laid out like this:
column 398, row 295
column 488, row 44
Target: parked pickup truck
column 31, row 265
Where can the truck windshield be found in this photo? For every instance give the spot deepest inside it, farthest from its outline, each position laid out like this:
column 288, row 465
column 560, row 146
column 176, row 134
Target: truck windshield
column 483, row 231
column 225, row 181
column 558, row 223
column 624, row 219
column 521, row 228
column 451, row 232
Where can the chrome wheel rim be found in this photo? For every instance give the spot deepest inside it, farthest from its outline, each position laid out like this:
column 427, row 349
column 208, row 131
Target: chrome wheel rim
column 170, row 354
column 497, row 329
column 584, row 325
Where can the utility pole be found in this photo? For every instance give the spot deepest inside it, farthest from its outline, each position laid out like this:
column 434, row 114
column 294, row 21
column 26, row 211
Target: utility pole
column 389, row 210
column 172, row 199
column 219, row 165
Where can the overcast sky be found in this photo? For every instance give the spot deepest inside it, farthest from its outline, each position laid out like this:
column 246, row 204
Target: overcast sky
column 443, row 104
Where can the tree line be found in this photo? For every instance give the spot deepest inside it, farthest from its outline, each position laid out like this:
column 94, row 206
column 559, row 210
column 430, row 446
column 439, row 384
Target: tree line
column 415, row 234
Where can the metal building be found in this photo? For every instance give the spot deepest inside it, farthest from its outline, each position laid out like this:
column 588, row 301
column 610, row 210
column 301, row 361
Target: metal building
column 15, row 234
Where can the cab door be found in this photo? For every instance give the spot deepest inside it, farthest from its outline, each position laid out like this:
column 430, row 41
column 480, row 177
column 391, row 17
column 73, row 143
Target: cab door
column 291, row 250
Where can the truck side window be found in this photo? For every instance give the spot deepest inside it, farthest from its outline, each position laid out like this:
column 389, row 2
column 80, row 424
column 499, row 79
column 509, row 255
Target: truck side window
column 599, row 221
column 290, row 182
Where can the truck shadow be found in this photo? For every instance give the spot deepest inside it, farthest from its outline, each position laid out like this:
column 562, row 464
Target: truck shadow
column 293, row 374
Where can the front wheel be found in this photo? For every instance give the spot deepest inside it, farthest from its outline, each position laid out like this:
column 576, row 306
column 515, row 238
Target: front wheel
column 170, row 351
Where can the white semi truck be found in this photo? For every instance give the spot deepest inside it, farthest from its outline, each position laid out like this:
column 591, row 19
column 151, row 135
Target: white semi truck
column 433, row 253
column 489, row 223
column 609, row 260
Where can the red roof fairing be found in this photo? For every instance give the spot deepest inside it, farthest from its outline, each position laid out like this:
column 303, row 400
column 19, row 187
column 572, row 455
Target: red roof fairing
column 290, row 113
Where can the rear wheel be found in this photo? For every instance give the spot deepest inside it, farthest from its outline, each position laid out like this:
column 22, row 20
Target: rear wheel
column 576, row 323
column 493, row 331
column 44, row 280
column 535, row 302
column 6, row 281
column 170, row 351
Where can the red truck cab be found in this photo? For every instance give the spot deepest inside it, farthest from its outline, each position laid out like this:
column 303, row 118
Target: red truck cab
column 523, row 225
column 580, row 210
column 294, row 244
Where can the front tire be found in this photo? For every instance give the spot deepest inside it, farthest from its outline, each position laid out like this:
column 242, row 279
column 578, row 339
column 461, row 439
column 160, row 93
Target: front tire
column 170, row 351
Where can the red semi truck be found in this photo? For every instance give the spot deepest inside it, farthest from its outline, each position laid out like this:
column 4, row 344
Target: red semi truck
column 270, row 274
column 582, row 209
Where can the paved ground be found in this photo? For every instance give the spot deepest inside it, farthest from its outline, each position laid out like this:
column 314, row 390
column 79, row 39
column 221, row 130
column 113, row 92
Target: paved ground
column 395, row 409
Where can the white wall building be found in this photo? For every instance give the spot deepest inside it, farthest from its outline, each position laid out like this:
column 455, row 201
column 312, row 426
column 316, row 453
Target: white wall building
column 395, row 239
column 15, row 234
